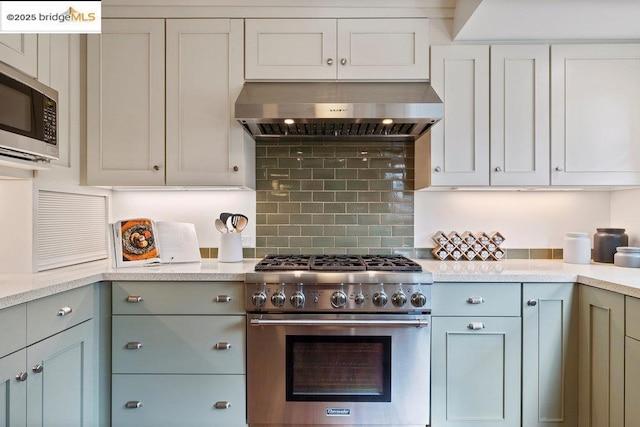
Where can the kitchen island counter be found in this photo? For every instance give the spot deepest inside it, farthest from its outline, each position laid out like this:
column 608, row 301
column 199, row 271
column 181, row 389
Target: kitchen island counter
column 17, row 288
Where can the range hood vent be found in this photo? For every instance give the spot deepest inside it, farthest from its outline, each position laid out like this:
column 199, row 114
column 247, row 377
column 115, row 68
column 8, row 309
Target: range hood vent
column 367, row 110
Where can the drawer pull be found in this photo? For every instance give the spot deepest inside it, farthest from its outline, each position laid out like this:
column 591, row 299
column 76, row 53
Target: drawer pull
column 223, row 346
column 22, row 376
column 134, row 345
column 474, row 326
column 37, row 368
column 532, row 303
column 223, row 298
column 222, row 405
column 134, row 299
column 64, row 311
column 475, row 300
column 133, row 404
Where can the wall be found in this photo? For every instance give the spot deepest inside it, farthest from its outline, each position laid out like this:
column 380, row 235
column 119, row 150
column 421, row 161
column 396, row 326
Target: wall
column 625, row 213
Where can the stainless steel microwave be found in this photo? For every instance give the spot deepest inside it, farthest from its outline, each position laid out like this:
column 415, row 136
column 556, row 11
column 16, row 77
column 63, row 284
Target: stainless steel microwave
column 28, row 117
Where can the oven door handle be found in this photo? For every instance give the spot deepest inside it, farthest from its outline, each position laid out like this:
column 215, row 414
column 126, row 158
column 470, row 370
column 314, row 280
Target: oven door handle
column 417, row 323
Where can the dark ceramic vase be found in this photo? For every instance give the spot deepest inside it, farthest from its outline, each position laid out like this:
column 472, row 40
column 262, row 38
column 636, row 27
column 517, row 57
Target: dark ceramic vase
column 605, row 242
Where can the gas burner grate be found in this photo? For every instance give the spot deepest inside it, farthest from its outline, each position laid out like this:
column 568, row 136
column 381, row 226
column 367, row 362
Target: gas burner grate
column 337, row 263
column 284, row 263
column 390, row 263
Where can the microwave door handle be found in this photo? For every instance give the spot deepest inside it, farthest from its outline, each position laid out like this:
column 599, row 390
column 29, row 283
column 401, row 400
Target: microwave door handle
column 416, row 323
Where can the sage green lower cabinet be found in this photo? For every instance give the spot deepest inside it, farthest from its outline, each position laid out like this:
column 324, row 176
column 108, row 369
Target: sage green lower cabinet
column 60, row 379
column 601, row 361
column 178, row 400
column 13, row 390
column 549, row 355
column 631, row 382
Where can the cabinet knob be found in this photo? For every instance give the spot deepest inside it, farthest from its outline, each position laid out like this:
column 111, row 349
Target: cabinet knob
column 236, row 168
column 222, row 346
column 37, row 368
column 64, row 311
column 156, row 167
column 222, row 405
column 438, row 169
column 133, row 404
column 498, row 169
column 330, row 61
column 223, row 298
column 532, row 303
column 474, row 326
column 134, row 298
column 134, row 345
column 559, row 168
column 343, row 61
column 22, row 376
column 475, row 300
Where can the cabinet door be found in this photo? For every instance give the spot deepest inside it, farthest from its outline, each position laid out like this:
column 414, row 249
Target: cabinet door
column 595, row 103
column 204, row 77
column 383, row 49
column 297, row 49
column 460, row 141
column 549, row 355
column 20, row 51
column 126, row 103
column 13, row 390
column 60, row 384
column 520, row 115
column 631, row 382
column 475, row 373
column 178, row 400
column 601, row 362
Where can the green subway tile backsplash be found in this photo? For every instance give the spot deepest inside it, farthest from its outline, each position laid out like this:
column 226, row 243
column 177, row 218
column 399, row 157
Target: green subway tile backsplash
column 334, row 197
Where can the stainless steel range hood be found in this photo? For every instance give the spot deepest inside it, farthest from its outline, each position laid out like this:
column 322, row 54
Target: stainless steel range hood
column 368, row 110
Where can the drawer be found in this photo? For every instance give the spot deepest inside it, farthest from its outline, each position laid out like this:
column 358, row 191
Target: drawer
column 178, row 298
column 50, row 315
column 178, row 344
column 632, row 317
column 13, row 329
column 178, row 400
column 476, row 299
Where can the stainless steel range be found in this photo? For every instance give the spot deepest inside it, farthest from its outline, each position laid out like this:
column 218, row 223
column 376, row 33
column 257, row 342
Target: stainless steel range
column 338, row 340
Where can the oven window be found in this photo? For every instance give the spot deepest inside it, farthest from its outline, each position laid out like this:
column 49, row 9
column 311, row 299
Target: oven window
column 338, row 368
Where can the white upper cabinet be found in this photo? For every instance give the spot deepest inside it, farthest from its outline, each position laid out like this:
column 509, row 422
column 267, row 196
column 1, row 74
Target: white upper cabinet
column 349, row 49
column 519, row 115
column 136, row 136
column 20, row 51
column 595, row 106
column 460, row 141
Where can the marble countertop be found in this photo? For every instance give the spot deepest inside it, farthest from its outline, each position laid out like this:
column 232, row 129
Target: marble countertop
column 19, row 288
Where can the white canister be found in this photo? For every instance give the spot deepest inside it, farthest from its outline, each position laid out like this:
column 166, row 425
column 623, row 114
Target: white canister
column 230, row 249
column 577, row 248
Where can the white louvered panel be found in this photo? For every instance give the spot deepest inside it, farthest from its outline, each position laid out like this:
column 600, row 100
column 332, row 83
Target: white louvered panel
column 72, row 228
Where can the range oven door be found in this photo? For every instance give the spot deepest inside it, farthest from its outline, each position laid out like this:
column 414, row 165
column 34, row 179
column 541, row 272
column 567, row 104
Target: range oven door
column 338, row 369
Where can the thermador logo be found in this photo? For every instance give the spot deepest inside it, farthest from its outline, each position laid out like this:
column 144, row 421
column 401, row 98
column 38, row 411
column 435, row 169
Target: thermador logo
column 338, row 412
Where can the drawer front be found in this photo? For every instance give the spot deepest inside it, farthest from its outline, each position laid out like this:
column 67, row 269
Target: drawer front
column 50, row 315
column 178, row 344
column 178, row 298
column 632, row 317
column 178, row 400
column 13, row 329
column 476, row 299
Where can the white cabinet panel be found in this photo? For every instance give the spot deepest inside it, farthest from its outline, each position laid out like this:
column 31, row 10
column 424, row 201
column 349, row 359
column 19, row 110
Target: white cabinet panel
column 460, row 141
column 20, row 51
column 520, row 115
column 595, row 99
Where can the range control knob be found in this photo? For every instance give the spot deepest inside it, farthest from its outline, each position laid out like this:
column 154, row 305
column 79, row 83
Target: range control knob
column 359, row 299
column 399, row 299
column 379, row 299
column 297, row 299
column 278, row 299
column 259, row 298
column 338, row 299
column 418, row 299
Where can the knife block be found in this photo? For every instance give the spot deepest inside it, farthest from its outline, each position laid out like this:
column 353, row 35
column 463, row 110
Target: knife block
column 230, row 249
